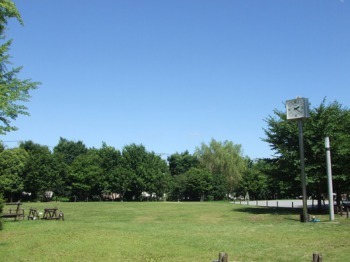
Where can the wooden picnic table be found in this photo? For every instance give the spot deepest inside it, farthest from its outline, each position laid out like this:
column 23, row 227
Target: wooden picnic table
column 16, row 213
column 50, row 213
column 33, row 214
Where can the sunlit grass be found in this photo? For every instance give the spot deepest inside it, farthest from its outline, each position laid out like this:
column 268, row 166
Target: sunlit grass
column 166, row 231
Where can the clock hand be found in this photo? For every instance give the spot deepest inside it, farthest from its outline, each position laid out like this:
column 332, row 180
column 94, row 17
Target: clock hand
column 296, row 108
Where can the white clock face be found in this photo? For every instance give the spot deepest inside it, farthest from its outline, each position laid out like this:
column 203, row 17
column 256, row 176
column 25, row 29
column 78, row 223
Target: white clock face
column 296, row 108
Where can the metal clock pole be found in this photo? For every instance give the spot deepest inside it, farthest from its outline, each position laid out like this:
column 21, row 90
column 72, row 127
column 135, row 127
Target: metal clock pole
column 329, row 179
column 302, row 168
column 298, row 109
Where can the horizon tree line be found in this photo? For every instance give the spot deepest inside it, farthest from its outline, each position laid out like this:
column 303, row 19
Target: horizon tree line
column 215, row 171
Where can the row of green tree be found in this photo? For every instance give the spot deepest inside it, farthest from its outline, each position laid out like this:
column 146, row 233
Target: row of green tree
column 74, row 171
column 215, row 171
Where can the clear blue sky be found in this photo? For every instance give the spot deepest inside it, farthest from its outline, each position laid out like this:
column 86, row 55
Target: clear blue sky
column 173, row 74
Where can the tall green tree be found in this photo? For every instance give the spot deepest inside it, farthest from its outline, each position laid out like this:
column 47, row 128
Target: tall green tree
column 198, row 184
column 157, row 175
column 85, row 175
column 219, row 187
column 13, row 90
column 134, row 159
column 177, row 187
column 111, row 164
column 254, row 181
column 179, row 163
column 68, row 150
column 64, row 154
column 12, row 165
column 120, row 180
column 332, row 120
column 110, row 157
column 147, row 170
column 223, row 158
column 41, row 173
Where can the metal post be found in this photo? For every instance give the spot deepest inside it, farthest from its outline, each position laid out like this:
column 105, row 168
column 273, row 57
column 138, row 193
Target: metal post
column 302, row 167
column 329, row 179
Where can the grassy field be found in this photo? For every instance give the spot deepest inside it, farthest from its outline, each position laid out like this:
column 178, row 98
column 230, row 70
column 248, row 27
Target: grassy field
column 165, row 231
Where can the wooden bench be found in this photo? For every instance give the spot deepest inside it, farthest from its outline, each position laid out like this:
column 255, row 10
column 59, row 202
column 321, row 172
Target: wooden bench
column 33, row 214
column 51, row 214
column 21, row 213
column 14, row 213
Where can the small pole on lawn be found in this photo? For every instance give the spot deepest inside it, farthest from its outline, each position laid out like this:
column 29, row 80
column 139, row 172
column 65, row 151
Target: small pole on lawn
column 316, row 257
column 329, row 179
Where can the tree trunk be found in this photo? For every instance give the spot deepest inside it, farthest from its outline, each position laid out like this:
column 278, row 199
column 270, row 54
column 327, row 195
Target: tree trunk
column 319, row 197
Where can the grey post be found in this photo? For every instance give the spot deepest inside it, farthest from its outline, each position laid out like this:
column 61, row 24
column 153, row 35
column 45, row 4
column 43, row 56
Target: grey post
column 329, row 179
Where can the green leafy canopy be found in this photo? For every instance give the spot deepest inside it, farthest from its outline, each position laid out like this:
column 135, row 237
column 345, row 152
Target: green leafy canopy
column 14, row 92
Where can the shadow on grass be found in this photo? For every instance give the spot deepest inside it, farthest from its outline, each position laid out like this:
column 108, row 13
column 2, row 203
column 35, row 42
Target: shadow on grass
column 292, row 214
column 288, row 212
column 267, row 210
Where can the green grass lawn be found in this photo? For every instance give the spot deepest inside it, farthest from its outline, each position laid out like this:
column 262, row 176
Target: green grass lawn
column 166, row 231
